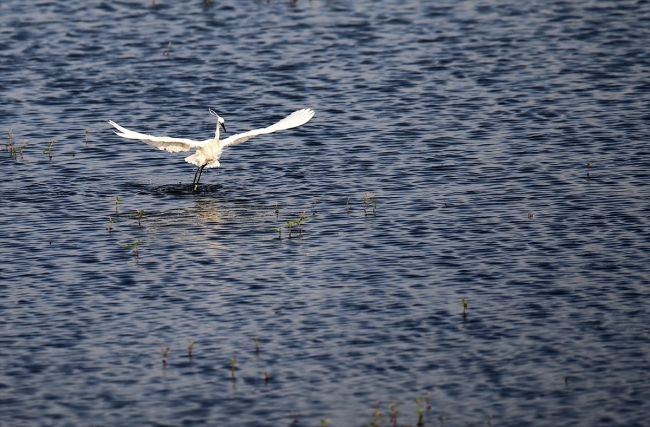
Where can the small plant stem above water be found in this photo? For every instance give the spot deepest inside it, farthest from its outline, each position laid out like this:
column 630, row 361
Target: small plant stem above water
column 369, row 200
column 48, row 150
column 394, row 409
column 133, row 245
column 165, row 351
column 189, row 349
column 139, row 213
column 464, row 307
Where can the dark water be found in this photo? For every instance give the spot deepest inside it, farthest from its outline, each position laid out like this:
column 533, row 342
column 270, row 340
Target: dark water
column 465, row 118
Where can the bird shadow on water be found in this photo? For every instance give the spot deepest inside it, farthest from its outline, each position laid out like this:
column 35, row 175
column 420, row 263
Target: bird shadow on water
column 174, row 189
column 186, row 189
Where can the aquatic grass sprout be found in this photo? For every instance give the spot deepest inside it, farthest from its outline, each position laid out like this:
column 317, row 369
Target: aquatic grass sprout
column 22, row 147
column 117, row 202
column 233, row 366
column 165, row 351
column 290, row 225
column 394, row 410
column 278, row 230
column 48, row 150
column 139, row 213
column 302, row 219
column 257, row 344
column 369, row 200
column 464, row 306
column 109, row 227
column 377, row 419
column 189, row 349
column 133, row 245
column 420, row 411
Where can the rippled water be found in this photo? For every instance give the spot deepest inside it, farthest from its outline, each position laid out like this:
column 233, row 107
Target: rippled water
column 471, row 121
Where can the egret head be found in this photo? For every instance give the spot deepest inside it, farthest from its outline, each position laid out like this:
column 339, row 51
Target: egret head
column 220, row 120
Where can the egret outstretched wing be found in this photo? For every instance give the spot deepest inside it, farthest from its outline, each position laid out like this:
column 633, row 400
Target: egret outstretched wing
column 173, row 145
column 293, row 120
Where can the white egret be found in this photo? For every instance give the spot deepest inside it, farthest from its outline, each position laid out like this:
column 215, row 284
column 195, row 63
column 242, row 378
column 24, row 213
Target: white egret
column 208, row 152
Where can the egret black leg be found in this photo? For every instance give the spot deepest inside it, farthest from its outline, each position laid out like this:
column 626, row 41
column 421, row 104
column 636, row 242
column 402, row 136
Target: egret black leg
column 194, row 180
column 196, row 185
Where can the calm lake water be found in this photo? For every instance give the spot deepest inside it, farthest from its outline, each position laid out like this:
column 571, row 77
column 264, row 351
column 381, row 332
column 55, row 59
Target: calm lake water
column 472, row 122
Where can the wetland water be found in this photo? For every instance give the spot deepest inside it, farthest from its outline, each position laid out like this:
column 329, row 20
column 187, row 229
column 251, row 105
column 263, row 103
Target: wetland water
column 471, row 121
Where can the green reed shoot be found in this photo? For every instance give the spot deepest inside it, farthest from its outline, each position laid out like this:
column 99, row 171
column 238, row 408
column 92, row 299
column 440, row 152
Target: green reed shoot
column 394, row 410
column 11, row 134
column 109, row 227
column 189, row 349
column 139, row 213
column 233, row 366
column 169, row 49
column 87, row 132
column 257, row 344
column 289, row 225
column 325, row 422
column 347, row 206
column 313, row 206
column 427, row 399
column 133, row 245
column 22, row 147
column 48, row 150
column 377, row 419
column 278, row 230
column 117, row 202
column 369, row 200
column 276, row 209
column 165, row 351
column 420, row 411
column 302, row 219
column 464, row 306
column 13, row 151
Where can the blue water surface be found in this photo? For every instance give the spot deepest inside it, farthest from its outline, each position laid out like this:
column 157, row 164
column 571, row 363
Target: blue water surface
column 471, row 122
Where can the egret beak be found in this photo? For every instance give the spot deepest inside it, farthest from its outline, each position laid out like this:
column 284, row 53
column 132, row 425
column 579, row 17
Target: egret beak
column 223, row 125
